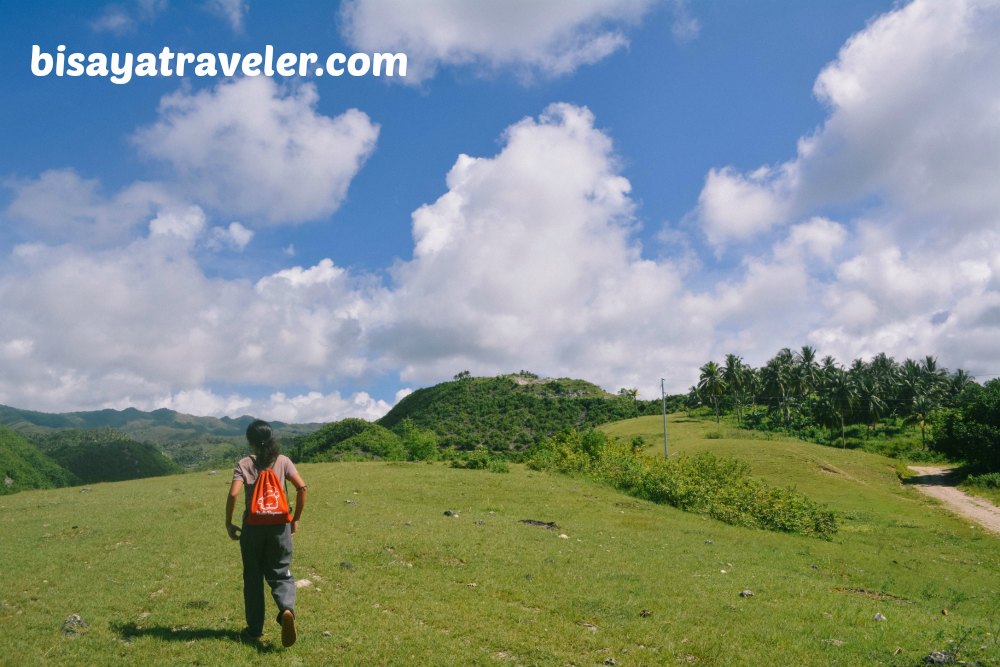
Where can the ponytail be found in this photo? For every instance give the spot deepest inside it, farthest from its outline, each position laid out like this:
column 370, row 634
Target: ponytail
column 262, row 441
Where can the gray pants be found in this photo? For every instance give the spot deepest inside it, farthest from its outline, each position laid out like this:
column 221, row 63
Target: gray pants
column 267, row 554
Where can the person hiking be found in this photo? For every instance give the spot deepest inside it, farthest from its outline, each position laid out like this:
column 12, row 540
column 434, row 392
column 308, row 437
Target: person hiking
column 266, row 543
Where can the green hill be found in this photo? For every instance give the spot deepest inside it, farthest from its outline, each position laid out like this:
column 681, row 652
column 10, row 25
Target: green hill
column 23, row 466
column 105, row 455
column 510, row 411
column 157, row 426
column 396, row 581
column 349, row 440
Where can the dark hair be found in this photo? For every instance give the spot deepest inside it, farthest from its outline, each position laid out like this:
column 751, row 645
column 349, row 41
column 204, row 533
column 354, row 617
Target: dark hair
column 262, row 441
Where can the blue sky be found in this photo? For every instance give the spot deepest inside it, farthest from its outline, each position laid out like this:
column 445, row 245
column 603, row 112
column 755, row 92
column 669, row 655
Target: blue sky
column 618, row 190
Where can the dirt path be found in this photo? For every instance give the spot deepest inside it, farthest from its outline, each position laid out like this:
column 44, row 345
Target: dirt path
column 934, row 481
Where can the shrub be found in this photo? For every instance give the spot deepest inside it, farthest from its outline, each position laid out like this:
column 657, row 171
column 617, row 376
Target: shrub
column 706, row 484
column 990, row 480
column 479, row 459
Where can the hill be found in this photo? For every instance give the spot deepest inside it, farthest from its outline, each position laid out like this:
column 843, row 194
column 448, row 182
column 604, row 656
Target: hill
column 617, row 581
column 158, row 426
column 104, row 455
column 510, row 412
column 23, row 466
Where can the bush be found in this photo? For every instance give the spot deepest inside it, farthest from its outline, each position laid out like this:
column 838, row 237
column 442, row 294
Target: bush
column 705, row 484
column 990, row 480
column 480, row 459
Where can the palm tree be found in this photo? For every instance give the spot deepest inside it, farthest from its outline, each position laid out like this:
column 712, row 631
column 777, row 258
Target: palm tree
column 841, row 396
column 935, row 379
column 957, row 383
column 734, row 375
column 923, row 406
column 808, row 371
column 779, row 380
column 711, row 384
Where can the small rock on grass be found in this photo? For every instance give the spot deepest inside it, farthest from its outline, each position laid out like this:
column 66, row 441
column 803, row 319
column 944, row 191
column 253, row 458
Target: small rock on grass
column 878, row 618
column 746, row 593
column 74, row 625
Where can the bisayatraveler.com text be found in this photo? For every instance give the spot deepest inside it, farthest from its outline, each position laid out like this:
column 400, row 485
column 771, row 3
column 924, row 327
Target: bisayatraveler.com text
column 120, row 68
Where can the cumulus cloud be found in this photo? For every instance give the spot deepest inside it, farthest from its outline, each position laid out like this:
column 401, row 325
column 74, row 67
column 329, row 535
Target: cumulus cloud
column 550, row 38
column 247, row 148
column 529, row 261
column 912, row 121
column 86, row 328
column 910, row 144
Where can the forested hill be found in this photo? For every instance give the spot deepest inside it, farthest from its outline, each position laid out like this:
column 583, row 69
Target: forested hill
column 157, row 426
column 511, row 411
column 23, row 466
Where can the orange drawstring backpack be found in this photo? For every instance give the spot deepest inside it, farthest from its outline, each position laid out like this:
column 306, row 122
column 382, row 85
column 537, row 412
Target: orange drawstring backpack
column 268, row 504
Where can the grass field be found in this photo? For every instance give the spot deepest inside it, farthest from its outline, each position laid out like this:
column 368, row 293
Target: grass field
column 149, row 568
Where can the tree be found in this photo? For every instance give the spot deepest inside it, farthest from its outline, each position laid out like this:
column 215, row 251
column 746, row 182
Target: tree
column 779, row 379
column 711, row 385
column 734, row 374
column 841, row 397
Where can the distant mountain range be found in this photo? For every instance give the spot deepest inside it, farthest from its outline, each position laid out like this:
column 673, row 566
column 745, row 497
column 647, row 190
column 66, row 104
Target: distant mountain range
column 158, row 426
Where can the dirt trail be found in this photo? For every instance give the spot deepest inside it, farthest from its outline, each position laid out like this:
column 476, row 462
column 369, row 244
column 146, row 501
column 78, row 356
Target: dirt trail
column 934, row 481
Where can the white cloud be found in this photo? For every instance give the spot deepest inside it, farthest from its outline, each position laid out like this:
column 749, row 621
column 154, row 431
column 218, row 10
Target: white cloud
column 234, row 236
column 60, row 206
column 248, row 149
column 86, row 327
column 685, row 27
column 529, row 261
column 187, row 223
column 232, row 11
column 126, row 17
column 913, row 121
column 733, row 206
column 910, row 143
column 550, row 38
column 313, row 406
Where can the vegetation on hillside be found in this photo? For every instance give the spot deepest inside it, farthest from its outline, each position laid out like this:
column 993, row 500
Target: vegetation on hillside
column 104, row 455
column 355, row 439
column 705, row 484
column 512, row 412
column 23, row 466
column 821, row 400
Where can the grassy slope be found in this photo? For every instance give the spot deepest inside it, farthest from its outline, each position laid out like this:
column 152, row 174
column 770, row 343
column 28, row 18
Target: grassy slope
column 164, row 587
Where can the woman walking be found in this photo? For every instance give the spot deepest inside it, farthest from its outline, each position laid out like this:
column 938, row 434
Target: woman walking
column 266, row 549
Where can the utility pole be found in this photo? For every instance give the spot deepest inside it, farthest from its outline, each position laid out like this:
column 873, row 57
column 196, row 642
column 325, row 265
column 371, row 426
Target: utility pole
column 663, row 396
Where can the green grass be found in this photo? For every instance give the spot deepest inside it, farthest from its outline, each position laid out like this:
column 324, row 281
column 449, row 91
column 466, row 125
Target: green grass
column 147, row 564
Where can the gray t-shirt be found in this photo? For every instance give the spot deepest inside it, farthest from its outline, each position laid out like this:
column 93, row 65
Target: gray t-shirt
column 246, row 470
